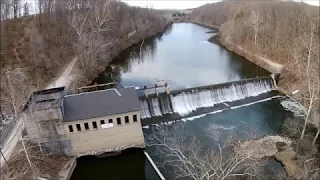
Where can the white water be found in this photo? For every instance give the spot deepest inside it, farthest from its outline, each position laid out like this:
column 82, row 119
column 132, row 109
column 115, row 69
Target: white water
column 165, row 104
column 210, row 113
column 255, row 102
column 188, row 102
column 156, row 107
column 144, row 109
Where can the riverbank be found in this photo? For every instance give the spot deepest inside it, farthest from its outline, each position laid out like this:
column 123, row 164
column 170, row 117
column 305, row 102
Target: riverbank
column 267, row 64
column 275, row 147
column 270, row 65
column 121, row 46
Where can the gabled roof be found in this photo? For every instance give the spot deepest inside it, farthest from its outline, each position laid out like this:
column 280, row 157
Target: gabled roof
column 100, row 103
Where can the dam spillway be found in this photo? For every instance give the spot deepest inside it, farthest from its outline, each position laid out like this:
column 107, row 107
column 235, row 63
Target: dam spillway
column 186, row 101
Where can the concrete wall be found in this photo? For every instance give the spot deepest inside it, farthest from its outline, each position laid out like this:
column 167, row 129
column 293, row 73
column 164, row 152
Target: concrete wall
column 98, row 141
column 46, row 124
column 48, row 114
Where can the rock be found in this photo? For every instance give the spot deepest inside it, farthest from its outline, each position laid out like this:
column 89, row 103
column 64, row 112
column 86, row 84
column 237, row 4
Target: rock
column 264, row 147
column 294, row 107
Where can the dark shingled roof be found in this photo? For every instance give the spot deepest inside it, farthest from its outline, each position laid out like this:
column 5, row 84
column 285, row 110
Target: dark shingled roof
column 100, row 103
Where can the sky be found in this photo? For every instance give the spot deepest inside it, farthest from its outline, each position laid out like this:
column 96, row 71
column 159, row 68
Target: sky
column 180, row 4
column 168, row 4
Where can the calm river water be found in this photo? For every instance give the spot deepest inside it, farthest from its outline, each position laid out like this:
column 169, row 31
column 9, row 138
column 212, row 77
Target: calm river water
column 184, row 58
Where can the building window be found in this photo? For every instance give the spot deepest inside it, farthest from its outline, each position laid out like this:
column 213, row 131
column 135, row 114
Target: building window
column 94, row 124
column 86, row 126
column 102, row 122
column 135, row 119
column 126, row 119
column 110, row 120
column 118, row 120
column 70, row 128
column 78, row 127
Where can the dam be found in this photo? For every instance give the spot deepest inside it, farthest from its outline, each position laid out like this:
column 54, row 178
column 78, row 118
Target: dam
column 180, row 103
column 210, row 87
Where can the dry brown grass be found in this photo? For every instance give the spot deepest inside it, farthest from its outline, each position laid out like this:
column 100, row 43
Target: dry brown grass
column 45, row 165
column 287, row 158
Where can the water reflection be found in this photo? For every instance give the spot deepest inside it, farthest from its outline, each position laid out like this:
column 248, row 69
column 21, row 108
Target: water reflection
column 183, row 57
column 131, row 164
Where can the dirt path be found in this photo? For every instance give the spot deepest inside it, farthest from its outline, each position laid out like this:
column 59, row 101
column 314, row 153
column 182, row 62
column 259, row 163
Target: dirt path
column 274, row 65
column 65, row 78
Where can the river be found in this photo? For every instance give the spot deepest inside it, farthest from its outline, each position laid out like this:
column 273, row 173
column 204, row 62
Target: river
column 183, row 57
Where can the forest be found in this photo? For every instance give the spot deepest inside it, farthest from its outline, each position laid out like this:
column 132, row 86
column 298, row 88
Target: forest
column 36, row 46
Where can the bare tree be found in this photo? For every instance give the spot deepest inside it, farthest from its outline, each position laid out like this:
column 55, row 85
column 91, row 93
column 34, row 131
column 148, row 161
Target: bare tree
column 292, row 127
column 14, row 89
column 307, row 61
column 78, row 22
column 26, row 9
column 16, row 8
column 255, row 22
column 101, row 15
column 315, row 120
column 5, row 9
column 90, row 26
column 186, row 157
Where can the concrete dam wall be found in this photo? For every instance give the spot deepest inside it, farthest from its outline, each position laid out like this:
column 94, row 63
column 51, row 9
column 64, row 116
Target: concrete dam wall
column 181, row 103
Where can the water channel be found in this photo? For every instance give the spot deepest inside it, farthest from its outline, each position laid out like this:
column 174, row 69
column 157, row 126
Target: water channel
column 184, row 58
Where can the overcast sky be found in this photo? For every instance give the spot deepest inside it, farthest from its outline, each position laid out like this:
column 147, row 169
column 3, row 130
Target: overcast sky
column 180, row 4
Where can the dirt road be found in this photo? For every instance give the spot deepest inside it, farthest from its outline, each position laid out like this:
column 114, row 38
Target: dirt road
column 65, row 78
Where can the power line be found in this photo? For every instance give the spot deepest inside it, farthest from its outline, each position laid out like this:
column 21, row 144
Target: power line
column 144, row 68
